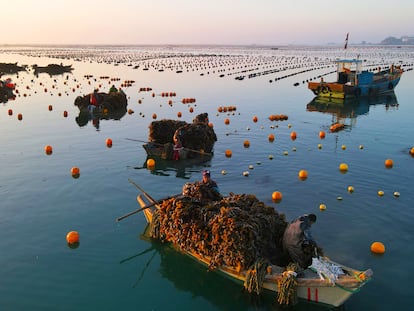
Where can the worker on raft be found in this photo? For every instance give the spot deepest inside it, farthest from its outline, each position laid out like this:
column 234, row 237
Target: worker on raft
column 209, row 187
column 178, row 147
column 298, row 241
column 93, row 100
column 113, row 89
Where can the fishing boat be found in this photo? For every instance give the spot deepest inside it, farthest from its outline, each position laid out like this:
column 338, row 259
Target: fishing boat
column 165, row 152
column 52, row 69
column 179, row 140
column 353, row 82
column 313, row 285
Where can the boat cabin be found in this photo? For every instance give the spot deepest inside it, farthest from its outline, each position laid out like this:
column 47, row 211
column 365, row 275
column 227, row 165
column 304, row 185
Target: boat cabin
column 348, row 71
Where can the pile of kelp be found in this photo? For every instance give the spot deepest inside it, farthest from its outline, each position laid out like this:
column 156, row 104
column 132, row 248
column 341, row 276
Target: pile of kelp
column 235, row 231
column 107, row 102
column 198, row 135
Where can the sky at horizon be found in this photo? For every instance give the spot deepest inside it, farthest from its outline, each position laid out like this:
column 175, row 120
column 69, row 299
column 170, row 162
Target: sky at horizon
column 261, row 22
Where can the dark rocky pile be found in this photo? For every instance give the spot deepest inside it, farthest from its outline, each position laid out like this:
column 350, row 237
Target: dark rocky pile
column 197, row 135
column 235, row 231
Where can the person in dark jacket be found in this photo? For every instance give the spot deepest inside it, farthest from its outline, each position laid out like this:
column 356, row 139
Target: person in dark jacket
column 298, row 241
column 113, row 89
column 209, row 187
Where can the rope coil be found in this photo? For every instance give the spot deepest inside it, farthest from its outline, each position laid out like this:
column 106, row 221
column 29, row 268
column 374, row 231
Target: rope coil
column 287, row 286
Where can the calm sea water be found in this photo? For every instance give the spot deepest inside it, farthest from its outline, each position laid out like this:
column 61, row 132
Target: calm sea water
column 114, row 268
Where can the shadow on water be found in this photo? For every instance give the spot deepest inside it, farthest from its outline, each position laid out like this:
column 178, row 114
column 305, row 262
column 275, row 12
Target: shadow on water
column 181, row 168
column 96, row 117
column 344, row 110
column 187, row 275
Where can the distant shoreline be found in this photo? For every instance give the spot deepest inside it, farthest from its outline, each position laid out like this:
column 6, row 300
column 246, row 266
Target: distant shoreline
column 330, row 45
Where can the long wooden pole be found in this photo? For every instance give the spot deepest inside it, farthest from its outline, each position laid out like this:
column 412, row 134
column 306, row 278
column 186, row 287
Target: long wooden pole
column 154, row 202
column 145, row 207
column 142, row 190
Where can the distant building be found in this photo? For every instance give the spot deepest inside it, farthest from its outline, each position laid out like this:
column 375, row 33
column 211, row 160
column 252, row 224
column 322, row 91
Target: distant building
column 405, row 40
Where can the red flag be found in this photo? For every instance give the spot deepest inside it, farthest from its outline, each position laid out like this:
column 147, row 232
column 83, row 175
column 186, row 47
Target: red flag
column 346, row 41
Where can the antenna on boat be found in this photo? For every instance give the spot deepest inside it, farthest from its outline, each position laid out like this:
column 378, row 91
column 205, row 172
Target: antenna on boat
column 346, row 43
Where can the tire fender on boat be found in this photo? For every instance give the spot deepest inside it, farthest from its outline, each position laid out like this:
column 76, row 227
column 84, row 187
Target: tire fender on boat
column 324, row 89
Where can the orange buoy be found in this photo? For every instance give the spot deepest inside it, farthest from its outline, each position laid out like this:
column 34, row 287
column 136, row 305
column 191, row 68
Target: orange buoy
column 343, row 167
column 72, row 237
column 154, row 116
column 271, row 137
column 20, row 117
column 389, row 163
column 293, row 135
column 255, row 119
column 191, row 110
column 246, row 144
column 10, row 112
column 150, row 163
column 48, row 150
column 179, row 114
column 321, row 134
column 75, row 171
column 108, row 142
column 303, row 174
column 378, row 248
column 336, row 127
column 65, row 114
column 277, row 196
column 412, row 151
column 226, row 121
column 228, row 153
column 50, row 107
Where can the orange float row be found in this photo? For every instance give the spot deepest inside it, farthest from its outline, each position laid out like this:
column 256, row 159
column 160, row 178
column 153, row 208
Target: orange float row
column 226, row 108
column 170, row 94
column 278, row 117
column 188, row 100
column 145, row 89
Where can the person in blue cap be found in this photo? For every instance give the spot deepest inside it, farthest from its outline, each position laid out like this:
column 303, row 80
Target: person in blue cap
column 210, row 187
